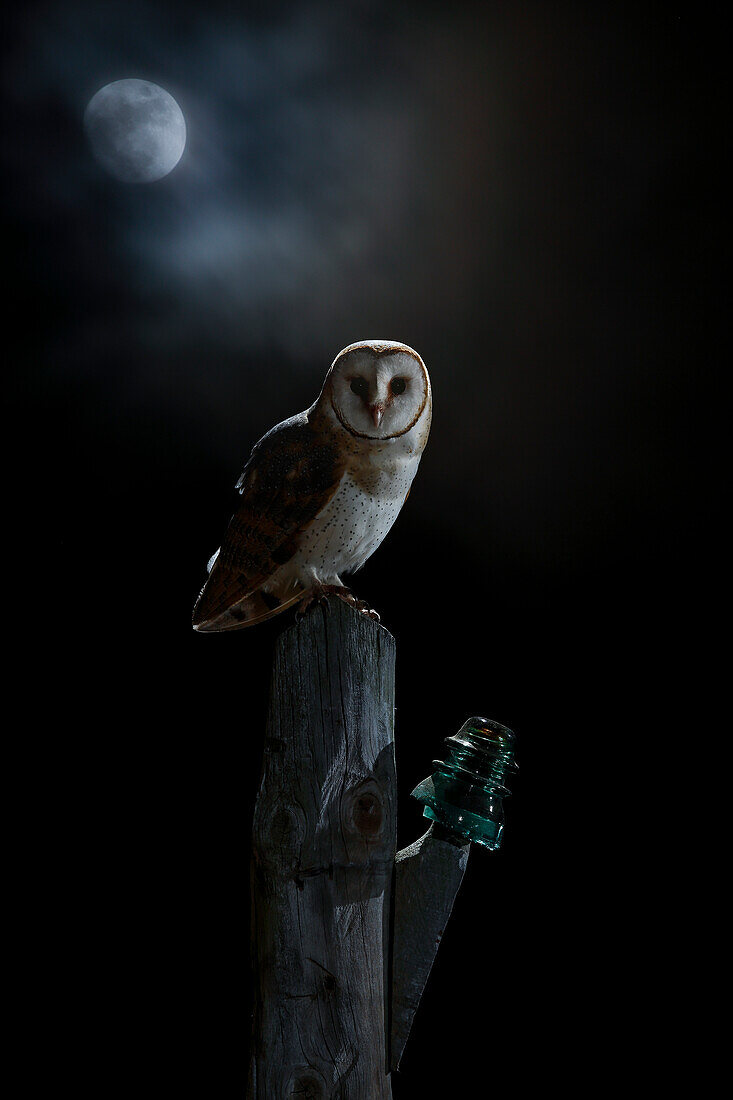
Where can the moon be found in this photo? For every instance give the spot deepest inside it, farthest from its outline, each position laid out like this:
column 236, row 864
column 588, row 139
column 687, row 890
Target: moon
column 136, row 130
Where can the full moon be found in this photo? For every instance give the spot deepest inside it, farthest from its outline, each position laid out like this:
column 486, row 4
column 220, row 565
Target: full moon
column 136, row 130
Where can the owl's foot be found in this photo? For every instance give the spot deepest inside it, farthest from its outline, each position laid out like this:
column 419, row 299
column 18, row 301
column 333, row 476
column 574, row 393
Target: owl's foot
column 363, row 606
column 320, row 594
column 348, row 597
column 370, row 613
column 339, row 590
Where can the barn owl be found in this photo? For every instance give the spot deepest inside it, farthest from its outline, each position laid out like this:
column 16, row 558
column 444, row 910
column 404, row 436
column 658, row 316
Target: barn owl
column 321, row 490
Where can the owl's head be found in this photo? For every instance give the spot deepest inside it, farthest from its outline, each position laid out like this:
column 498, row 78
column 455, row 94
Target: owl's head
column 378, row 389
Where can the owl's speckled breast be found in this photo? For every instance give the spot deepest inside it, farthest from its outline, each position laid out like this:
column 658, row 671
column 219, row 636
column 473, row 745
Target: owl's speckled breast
column 354, row 522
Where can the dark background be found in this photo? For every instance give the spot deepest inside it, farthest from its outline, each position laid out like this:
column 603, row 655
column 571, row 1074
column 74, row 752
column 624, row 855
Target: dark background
column 508, row 189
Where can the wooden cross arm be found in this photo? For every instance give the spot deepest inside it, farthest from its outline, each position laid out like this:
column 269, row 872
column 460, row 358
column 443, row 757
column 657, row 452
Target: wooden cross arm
column 428, row 875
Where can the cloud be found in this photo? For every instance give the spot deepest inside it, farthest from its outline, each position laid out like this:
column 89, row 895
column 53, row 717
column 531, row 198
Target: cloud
column 317, row 190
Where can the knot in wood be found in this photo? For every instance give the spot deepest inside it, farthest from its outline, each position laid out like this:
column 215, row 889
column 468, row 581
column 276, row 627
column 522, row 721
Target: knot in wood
column 306, row 1087
column 279, row 833
column 363, row 810
column 368, row 814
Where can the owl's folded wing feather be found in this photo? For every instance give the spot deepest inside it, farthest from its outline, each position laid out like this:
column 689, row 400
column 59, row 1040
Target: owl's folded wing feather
column 291, row 475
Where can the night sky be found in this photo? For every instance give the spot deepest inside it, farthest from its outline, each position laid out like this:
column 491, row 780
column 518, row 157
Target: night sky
column 506, row 188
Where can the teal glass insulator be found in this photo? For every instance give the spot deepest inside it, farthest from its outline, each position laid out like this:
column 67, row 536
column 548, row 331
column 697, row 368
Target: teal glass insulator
column 466, row 792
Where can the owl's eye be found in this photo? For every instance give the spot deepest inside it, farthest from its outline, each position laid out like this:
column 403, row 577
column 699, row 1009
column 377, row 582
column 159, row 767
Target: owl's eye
column 359, row 387
column 398, row 385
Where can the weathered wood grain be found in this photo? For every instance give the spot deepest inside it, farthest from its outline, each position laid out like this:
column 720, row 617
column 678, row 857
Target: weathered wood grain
column 323, row 860
column 428, row 875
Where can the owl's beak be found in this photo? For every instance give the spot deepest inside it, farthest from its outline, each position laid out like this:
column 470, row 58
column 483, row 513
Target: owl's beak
column 377, row 411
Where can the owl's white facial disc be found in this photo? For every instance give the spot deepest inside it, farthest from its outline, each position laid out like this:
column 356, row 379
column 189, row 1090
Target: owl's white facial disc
column 379, row 390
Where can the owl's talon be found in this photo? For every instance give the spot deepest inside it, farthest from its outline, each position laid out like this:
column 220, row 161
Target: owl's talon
column 320, row 595
column 363, row 606
column 305, row 606
column 342, row 592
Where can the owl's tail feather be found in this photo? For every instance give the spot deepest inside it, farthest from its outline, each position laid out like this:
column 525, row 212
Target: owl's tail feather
column 253, row 609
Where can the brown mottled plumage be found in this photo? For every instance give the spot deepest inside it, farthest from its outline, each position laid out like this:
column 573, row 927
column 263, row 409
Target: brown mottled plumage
column 321, row 489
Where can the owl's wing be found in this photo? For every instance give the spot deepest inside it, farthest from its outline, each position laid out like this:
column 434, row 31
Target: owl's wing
column 291, row 475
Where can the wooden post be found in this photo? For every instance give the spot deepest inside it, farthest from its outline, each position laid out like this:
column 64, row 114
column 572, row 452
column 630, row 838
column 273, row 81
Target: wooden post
column 323, row 862
column 344, row 930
